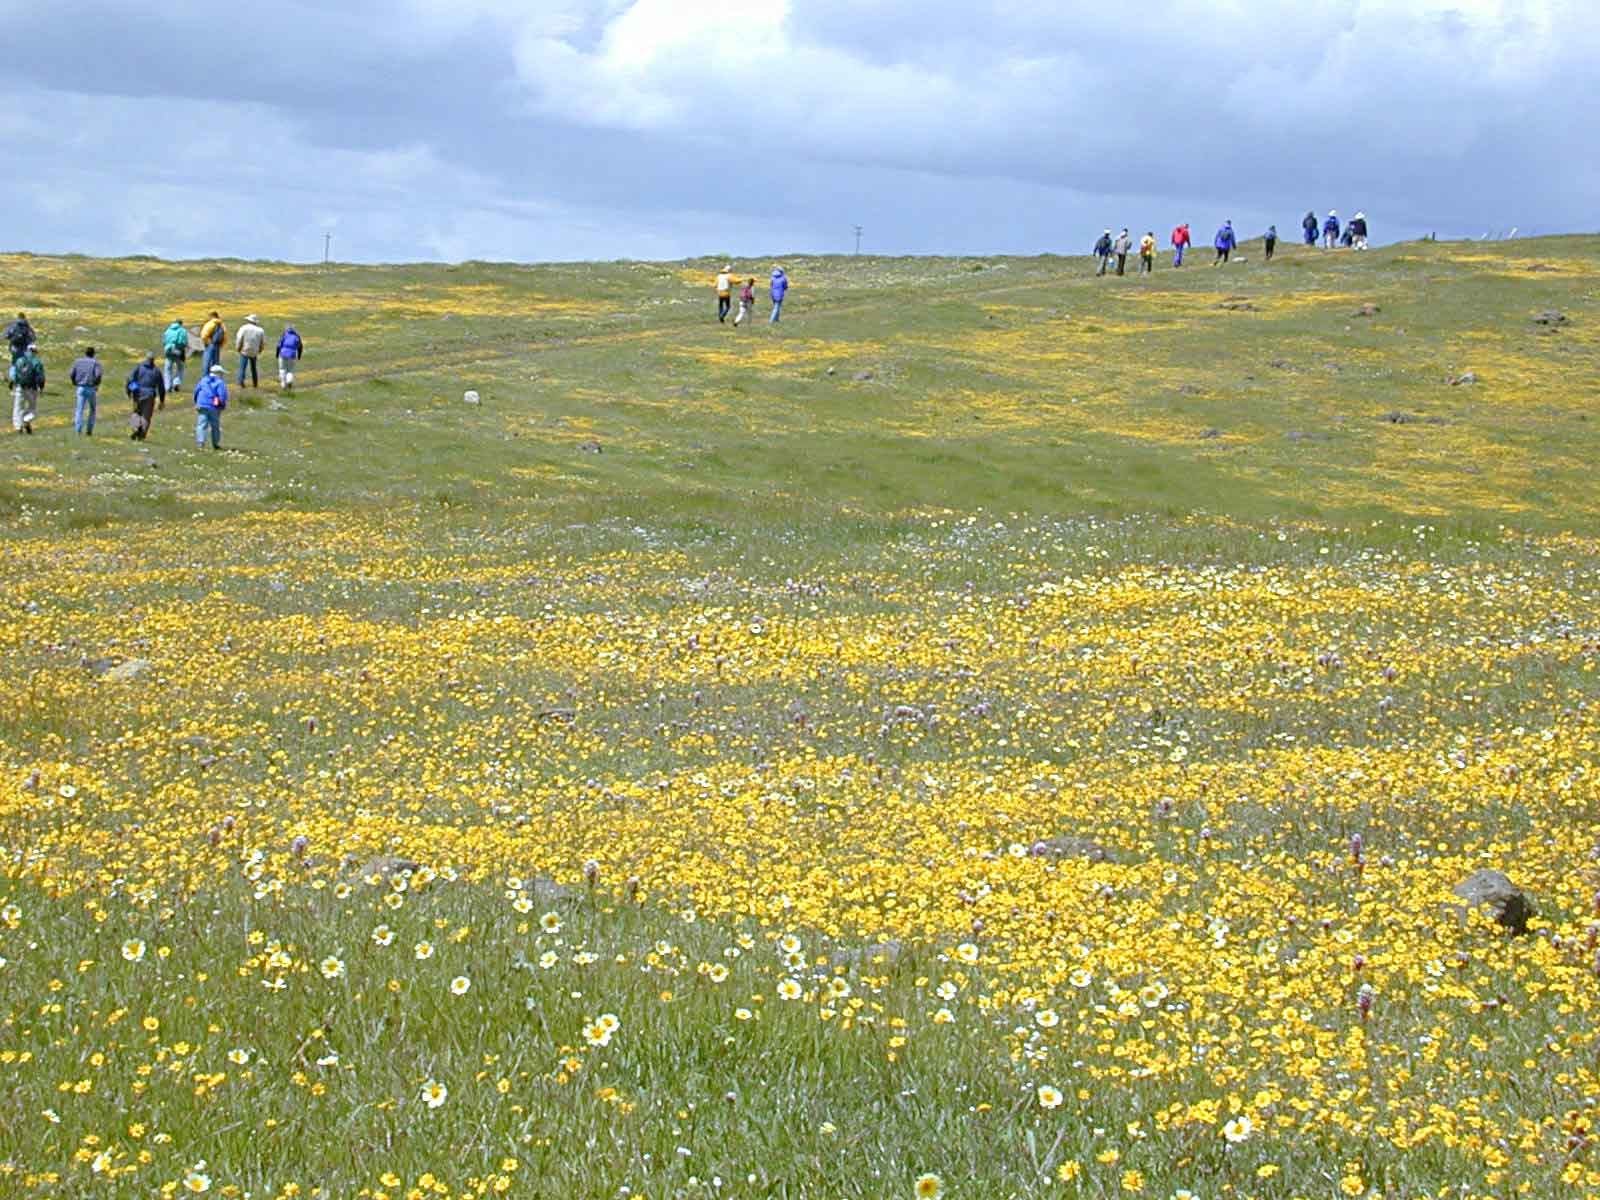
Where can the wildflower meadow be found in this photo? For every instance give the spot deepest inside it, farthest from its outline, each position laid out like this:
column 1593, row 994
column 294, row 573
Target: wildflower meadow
column 998, row 733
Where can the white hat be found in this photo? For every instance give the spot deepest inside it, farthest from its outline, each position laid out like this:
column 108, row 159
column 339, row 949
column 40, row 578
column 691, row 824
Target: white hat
column 1360, row 216
column 1333, row 212
column 253, row 319
column 219, row 369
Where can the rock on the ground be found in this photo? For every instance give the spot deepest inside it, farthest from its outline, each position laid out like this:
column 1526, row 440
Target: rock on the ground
column 1496, row 896
column 1367, row 310
column 1467, row 377
column 131, row 669
column 470, row 397
column 589, row 447
column 1551, row 316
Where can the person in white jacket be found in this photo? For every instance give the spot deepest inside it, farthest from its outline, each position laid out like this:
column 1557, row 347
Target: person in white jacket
column 248, row 342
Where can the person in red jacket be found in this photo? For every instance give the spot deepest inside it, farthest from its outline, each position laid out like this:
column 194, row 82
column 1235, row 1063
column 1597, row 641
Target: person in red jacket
column 1180, row 243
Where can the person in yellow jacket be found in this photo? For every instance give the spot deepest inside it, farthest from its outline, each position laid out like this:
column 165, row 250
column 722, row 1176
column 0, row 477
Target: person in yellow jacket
column 724, row 292
column 213, row 335
column 1147, row 254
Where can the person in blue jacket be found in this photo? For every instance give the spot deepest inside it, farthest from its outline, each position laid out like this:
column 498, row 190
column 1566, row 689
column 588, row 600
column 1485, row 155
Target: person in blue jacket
column 1330, row 230
column 210, row 398
column 1225, row 243
column 1309, row 228
column 780, row 288
column 291, row 348
column 1269, row 241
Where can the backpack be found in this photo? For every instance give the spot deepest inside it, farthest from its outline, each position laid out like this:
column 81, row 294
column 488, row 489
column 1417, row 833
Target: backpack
column 212, row 328
column 30, row 372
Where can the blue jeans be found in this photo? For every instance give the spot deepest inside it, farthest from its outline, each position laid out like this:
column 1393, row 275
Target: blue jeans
column 83, row 412
column 777, row 310
column 174, row 374
column 1177, row 256
column 210, row 358
column 208, row 420
column 248, row 361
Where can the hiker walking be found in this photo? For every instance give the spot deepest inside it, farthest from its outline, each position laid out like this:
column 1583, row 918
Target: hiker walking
column 1270, row 240
column 1123, row 244
column 1330, row 230
column 175, row 351
column 86, row 376
column 1102, row 251
column 1181, row 241
column 1147, row 253
column 27, row 376
column 747, row 301
column 724, row 293
column 1309, row 228
column 212, row 335
column 1358, row 231
column 210, row 398
column 251, row 338
column 291, row 349
column 779, row 289
column 147, row 388
column 1225, row 243
column 20, row 336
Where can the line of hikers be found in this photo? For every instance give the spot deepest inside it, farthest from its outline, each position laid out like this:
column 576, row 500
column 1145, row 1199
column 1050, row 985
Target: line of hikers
column 148, row 386
column 777, row 290
column 1109, row 250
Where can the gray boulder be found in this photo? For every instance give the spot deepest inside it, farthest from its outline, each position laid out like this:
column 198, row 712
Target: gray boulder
column 1496, row 896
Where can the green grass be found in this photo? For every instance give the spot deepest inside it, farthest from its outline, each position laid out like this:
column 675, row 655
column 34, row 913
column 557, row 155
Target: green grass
column 842, row 616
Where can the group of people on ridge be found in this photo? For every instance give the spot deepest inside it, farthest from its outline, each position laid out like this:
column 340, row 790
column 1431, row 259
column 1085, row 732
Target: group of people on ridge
column 1110, row 250
column 1353, row 237
column 777, row 290
column 148, row 385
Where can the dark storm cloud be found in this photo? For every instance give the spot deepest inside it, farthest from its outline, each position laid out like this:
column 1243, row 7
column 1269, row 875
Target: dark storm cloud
column 599, row 128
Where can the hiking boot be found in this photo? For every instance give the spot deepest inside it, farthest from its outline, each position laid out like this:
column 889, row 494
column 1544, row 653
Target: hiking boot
column 27, row 427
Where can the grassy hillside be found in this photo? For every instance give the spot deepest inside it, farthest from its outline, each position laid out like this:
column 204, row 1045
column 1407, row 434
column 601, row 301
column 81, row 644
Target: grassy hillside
column 999, row 733
column 894, row 386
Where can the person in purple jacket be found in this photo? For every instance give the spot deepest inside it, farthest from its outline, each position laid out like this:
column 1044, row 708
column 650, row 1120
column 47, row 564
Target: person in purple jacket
column 1225, row 243
column 780, row 288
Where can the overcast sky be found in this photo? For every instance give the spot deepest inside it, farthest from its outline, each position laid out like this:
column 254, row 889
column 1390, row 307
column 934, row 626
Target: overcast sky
column 568, row 129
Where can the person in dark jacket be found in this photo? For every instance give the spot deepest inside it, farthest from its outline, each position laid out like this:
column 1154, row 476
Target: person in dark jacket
column 146, row 388
column 86, row 376
column 1269, row 240
column 1358, row 231
column 20, row 336
column 1102, row 251
column 1309, row 227
column 1330, row 231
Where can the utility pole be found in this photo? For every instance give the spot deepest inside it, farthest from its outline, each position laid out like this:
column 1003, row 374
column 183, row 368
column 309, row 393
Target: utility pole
column 858, row 239
column 327, row 247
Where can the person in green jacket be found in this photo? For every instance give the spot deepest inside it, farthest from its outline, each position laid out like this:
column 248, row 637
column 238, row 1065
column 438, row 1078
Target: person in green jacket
column 27, row 375
column 175, row 343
